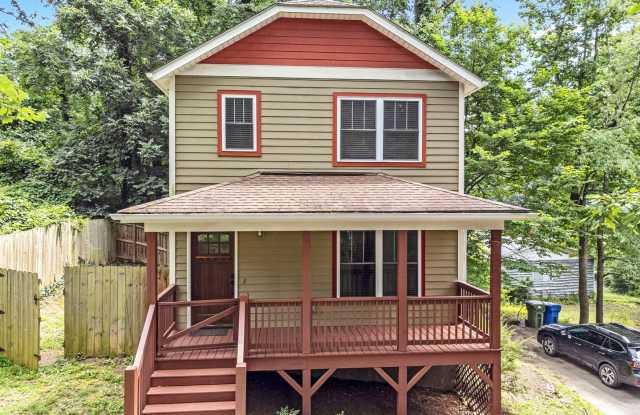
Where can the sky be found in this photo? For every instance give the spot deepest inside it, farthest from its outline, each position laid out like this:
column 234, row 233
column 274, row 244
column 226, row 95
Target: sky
column 506, row 9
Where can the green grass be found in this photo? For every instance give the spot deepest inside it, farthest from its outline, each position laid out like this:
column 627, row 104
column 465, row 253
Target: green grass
column 553, row 399
column 61, row 386
column 618, row 308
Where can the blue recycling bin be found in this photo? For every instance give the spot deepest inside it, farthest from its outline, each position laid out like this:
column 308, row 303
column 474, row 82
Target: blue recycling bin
column 551, row 313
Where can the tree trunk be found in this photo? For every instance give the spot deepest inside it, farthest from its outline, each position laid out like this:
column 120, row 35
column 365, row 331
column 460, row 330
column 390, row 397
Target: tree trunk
column 583, row 293
column 600, row 278
column 600, row 252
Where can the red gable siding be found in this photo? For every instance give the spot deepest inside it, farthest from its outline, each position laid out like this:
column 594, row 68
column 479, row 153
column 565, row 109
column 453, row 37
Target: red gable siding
column 319, row 42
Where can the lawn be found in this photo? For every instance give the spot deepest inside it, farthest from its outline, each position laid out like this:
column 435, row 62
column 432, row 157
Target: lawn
column 618, row 308
column 61, row 386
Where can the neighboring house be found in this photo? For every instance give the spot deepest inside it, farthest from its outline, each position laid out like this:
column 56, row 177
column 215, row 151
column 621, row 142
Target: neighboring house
column 317, row 218
column 553, row 275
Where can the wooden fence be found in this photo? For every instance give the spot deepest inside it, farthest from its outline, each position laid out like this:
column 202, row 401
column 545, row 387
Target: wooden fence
column 19, row 317
column 47, row 251
column 105, row 308
column 131, row 245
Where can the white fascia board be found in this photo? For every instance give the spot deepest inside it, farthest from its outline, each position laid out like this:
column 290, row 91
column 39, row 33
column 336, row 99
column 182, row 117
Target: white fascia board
column 316, row 72
column 471, row 81
column 309, row 221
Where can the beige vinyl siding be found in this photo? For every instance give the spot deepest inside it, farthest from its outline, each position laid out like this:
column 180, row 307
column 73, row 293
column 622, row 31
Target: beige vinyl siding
column 297, row 119
column 270, row 266
column 441, row 262
column 181, row 275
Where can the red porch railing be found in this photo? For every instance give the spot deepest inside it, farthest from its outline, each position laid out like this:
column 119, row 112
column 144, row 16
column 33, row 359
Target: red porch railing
column 222, row 321
column 368, row 324
column 137, row 377
column 275, row 327
column 353, row 324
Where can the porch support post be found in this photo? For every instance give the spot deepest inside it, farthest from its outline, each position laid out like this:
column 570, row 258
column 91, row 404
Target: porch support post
column 496, row 387
column 403, row 311
column 152, row 267
column 306, row 292
column 496, row 275
column 403, row 390
column 306, row 392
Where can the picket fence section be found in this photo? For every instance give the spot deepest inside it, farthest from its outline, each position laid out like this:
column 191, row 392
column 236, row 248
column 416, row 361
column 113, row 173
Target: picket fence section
column 104, row 309
column 47, row 251
column 19, row 317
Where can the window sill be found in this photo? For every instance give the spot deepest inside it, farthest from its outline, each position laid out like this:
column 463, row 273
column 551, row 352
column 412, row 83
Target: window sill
column 239, row 154
column 379, row 164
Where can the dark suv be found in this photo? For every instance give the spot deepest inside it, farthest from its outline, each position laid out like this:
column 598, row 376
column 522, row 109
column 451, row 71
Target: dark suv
column 611, row 349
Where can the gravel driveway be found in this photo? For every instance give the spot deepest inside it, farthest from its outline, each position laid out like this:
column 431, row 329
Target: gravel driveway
column 623, row 401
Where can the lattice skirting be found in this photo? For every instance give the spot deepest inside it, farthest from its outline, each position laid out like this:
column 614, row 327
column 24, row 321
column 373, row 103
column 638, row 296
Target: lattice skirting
column 473, row 391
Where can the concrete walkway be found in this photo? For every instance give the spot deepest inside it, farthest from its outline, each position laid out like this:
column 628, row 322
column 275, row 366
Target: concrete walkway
column 623, row 401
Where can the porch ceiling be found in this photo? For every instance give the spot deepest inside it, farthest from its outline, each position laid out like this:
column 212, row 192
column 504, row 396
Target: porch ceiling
column 278, row 200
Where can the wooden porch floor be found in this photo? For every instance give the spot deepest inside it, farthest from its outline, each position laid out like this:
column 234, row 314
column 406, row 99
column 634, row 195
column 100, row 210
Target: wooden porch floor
column 330, row 341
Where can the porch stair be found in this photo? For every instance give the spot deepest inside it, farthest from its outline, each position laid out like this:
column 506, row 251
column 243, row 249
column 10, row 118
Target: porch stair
column 186, row 389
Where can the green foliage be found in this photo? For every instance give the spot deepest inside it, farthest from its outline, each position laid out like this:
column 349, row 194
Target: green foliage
column 11, row 104
column 19, row 212
column 511, row 351
column 286, row 411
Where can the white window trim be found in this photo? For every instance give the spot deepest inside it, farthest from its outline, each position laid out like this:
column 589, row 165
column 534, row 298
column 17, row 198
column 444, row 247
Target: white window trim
column 379, row 261
column 224, row 124
column 379, row 128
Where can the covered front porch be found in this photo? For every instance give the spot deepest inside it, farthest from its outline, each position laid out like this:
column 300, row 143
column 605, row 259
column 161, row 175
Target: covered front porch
column 374, row 313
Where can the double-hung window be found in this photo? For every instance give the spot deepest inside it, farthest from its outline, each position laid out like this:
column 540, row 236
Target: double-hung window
column 373, row 130
column 239, row 123
column 368, row 266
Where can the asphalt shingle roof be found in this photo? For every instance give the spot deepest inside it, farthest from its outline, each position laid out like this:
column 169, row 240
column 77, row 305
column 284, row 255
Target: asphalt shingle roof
column 275, row 192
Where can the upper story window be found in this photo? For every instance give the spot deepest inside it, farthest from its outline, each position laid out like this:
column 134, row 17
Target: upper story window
column 239, row 115
column 379, row 130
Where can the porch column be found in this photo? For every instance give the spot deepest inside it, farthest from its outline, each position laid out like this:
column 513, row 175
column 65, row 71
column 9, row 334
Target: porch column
column 403, row 390
column 496, row 276
column 152, row 267
column 306, row 292
column 403, row 311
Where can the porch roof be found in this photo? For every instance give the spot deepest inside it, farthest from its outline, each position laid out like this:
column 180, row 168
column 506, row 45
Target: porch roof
column 321, row 193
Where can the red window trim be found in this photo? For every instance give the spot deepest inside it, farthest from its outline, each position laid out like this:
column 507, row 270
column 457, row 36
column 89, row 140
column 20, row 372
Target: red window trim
column 423, row 159
column 258, row 97
column 334, row 264
column 423, row 245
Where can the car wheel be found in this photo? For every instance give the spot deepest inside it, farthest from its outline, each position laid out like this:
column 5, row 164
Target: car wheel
column 609, row 375
column 550, row 346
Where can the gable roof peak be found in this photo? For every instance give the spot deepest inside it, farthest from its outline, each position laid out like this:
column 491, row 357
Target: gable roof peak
column 318, row 9
column 319, row 3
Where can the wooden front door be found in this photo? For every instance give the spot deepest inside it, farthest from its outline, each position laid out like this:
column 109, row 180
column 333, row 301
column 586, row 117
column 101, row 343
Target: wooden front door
column 212, row 270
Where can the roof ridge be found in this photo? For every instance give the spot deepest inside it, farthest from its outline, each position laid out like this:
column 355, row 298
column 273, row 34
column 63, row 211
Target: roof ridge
column 440, row 189
column 189, row 193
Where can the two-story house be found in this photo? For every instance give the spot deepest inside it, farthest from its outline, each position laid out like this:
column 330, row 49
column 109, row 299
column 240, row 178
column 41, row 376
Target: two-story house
column 317, row 217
